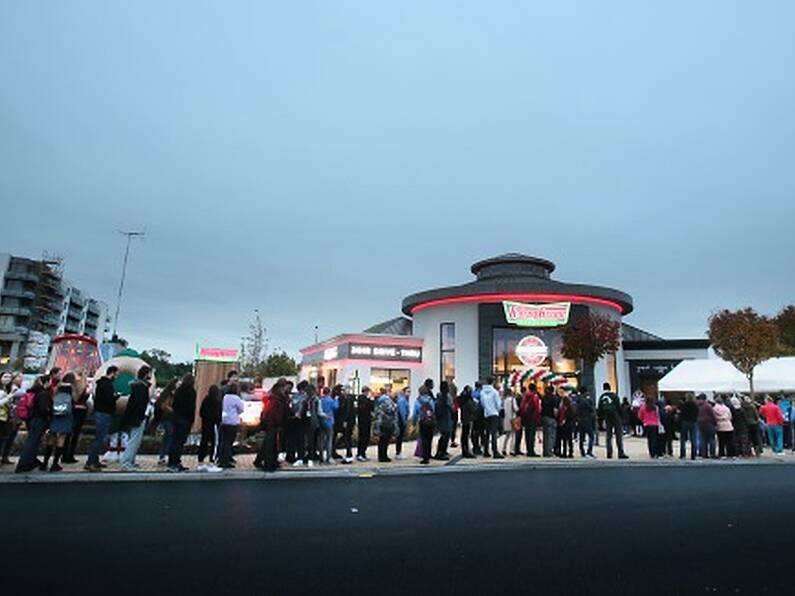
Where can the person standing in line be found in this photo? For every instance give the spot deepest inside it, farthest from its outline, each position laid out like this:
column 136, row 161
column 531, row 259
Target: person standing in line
column 469, row 410
column 231, row 409
column 79, row 413
column 273, row 416
column 105, row 397
column 328, row 407
column 786, row 409
column 706, row 427
column 742, row 446
column 479, row 422
column 37, row 420
column 626, row 415
column 649, row 417
column 444, row 420
column 549, row 423
column 454, row 395
column 184, row 414
column 586, row 422
column 610, row 411
column 210, row 414
column 384, row 424
column 565, row 431
column 313, row 454
column 491, row 402
column 339, row 427
column 774, row 420
column 667, row 428
column 134, row 418
column 231, row 377
column 530, row 411
column 402, row 405
column 164, row 418
column 61, row 422
column 752, row 420
column 293, row 425
column 16, row 392
column 347, row 418
column 364, row 420
column 6, row 410
column 725, row 428
column 510, row 413
column 425, row 418
column 688, row 415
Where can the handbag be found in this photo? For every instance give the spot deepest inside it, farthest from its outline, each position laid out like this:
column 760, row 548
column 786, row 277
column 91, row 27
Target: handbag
column 516, row 423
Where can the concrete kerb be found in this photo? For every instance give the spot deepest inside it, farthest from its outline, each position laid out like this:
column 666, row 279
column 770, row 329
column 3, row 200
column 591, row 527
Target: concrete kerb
column 374, row 472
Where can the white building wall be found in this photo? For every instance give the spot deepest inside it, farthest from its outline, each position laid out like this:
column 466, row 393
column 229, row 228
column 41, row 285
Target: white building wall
column 427, row 325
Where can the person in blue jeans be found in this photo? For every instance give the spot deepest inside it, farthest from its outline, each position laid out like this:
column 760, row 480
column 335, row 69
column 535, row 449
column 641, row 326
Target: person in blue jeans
column 105, row 397
column 37, row 422
column 327, row 407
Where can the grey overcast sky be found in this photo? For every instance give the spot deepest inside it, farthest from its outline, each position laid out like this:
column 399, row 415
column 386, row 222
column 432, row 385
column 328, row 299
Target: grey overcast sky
column 321, row 160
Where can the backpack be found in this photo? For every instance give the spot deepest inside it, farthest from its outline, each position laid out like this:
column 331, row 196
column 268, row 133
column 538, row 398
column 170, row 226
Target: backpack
column 62, row 405
column 297, row 404
column 24, row 406
column 427, row 416
column 388, row 415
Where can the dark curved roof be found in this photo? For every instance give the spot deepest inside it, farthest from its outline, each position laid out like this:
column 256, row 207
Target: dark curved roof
column 514, row 273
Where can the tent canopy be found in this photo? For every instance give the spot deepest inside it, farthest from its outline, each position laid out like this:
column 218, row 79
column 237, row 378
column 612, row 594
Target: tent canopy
column 777, row 374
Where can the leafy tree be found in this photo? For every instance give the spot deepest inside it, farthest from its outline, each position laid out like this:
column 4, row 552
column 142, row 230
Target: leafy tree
column 279, row 364
column 588, row 339
column 745, row 338
column 165, row 370
column 785, row 321
column 253, row 348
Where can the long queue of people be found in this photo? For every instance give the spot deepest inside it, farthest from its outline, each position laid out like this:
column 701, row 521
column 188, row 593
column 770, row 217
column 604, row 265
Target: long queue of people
column 305, row 425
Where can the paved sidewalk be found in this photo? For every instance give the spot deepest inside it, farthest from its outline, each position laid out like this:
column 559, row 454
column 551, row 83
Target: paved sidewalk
column 150, row 470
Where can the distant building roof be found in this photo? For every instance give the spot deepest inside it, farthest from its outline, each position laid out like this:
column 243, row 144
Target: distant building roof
column 632, row 333
column 396, row 326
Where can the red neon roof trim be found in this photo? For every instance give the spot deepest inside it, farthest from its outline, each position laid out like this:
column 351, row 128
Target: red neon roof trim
column 487, row 298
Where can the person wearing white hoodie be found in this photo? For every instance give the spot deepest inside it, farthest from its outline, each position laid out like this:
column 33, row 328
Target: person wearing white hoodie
column 491, row 402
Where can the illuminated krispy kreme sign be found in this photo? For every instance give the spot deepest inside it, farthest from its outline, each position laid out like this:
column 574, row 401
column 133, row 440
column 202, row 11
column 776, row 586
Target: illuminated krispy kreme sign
column 217, row 354
column 537, row 315
column 532, row 351
column 385, row 352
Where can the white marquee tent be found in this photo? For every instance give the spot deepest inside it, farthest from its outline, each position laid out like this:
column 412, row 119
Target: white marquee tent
column 715, row 375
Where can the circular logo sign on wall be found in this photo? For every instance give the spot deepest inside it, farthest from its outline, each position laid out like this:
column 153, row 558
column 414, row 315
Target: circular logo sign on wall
column 532, row 351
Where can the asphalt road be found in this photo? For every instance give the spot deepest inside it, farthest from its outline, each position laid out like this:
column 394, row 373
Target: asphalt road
column 698, row 530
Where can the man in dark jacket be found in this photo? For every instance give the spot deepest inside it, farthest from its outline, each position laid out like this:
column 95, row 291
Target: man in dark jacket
column 688, row 414
column 586, row 421
column 364, row 419
column 469, row 411
column 610, row 411
column 105, row 397
column 184, row 406
column 273, row 417
column 134, row 418
column 347, row 417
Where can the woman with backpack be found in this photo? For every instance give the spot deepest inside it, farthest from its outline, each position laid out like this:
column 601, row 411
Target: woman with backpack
column 385, row 424
column 425, row 418
column 61, row 422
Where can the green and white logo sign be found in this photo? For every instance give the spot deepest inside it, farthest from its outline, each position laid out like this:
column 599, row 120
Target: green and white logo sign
column 537, row 315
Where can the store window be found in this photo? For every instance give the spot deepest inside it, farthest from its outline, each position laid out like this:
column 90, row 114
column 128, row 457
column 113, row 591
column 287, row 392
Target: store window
column 447, row 352
column 505, row 361
column 392, row 379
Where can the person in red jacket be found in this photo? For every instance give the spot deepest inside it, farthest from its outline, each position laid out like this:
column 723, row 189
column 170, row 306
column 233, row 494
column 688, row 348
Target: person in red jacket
column 774, row 420
column 530, row 411
column 273, row 415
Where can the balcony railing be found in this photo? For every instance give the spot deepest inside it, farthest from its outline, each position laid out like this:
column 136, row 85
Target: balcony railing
column 14, row 293
column 15, row 310
column 21, row 275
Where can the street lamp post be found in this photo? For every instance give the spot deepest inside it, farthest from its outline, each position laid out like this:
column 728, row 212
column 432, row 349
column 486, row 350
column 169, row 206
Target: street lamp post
column 130, row 235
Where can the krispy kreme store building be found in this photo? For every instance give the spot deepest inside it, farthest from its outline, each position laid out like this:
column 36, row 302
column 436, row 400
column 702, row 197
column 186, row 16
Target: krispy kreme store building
column 509, row 318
